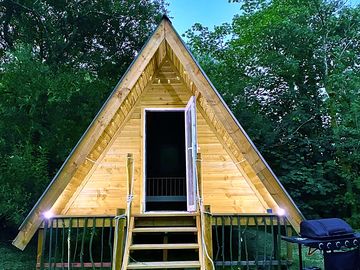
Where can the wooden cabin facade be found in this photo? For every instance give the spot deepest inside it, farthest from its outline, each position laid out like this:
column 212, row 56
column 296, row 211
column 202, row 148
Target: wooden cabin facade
column 163, row 178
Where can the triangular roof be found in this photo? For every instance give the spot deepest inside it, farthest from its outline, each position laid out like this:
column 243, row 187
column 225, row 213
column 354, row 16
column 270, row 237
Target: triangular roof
column 163, row 42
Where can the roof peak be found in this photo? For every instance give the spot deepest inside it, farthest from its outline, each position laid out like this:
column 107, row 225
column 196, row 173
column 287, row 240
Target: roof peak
column 165, row 17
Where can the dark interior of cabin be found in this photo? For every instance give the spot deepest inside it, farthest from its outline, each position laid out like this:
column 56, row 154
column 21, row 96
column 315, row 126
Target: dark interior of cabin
column 165, row 161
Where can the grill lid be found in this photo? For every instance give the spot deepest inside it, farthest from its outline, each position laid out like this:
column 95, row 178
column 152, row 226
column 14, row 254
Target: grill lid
column 325, row 228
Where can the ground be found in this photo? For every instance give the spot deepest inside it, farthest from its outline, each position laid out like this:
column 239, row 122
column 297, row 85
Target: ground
column 13, row 259
column 314, row 260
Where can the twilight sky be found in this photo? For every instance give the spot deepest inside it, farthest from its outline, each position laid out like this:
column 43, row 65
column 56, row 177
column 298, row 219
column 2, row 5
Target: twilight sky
column 184, row 13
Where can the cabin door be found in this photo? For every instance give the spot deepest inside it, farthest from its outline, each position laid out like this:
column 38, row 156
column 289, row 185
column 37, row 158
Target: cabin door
column 191, row 153
column 170, row 155
column 165, row 160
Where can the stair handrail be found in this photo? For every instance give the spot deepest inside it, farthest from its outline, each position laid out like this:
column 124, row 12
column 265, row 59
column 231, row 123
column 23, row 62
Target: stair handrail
column 127, row 214
column 199, row 194
column 130, row 186
column 130, row 190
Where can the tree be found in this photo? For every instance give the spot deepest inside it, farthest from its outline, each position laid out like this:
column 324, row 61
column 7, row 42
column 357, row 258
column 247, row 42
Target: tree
column 102, row 36
column 279, row 66
column 59, row 61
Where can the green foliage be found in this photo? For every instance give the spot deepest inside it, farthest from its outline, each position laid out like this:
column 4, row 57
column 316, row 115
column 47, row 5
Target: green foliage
column 15, row 259
column 102, row 36
column 289, row 70
column 41, row 110
column 20, row 172
column 59, row 62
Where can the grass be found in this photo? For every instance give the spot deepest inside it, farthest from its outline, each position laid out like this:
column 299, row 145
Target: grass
column 12, row 258
column 314, row 260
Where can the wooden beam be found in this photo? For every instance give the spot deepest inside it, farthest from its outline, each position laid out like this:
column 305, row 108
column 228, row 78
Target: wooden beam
column 130, row 223
column 119, row 239
column 128, row 243
column 208, row 238
column 130, row 173
column 75, row 265
column 200, row 242
column 39, row 246
column 64, row 222
column 249, row 219
column 199, row 174
column 289, row 246
column 130, row 182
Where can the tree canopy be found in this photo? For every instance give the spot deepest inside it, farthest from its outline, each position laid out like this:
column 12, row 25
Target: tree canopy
column 289, row 69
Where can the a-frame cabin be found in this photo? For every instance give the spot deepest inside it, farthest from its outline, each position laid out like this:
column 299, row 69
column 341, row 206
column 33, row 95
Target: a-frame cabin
column 163, row 152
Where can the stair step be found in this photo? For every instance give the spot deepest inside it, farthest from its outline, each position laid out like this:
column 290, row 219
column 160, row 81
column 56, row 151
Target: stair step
column 164, row 265
column 163, row 221
column 166, row 214
column 163, row 246
column 164, row 229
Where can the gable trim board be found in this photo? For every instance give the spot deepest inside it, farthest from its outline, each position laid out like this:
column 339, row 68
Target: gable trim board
column 140, row 72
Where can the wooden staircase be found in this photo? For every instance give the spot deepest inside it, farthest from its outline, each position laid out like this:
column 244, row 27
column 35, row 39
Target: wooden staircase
column 164, row 241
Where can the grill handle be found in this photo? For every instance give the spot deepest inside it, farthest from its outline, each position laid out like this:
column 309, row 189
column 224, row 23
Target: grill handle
column 337, row 231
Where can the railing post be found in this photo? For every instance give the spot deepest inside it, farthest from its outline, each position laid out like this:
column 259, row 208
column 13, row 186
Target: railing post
column 119, row 238
column 129, row 219
column 288, row 231
column 130, row 183
column 199, row 174
column 208, row 237
column 129, row 172
column 39, row 248
column 43, row 245
column 278, row 241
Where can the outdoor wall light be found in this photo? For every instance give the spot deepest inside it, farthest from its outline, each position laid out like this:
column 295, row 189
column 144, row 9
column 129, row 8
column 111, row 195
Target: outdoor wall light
column 48, row 214
column 281, row 212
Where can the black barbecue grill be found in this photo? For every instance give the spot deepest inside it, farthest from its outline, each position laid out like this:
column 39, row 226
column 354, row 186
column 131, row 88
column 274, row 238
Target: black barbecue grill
column 334, row 238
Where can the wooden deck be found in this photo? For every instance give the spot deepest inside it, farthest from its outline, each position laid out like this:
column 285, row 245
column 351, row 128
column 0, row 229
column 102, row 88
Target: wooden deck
column 164, row 265
column 257, row 235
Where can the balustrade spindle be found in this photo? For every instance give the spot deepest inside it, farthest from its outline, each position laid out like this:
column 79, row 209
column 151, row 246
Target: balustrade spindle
column 243, row 241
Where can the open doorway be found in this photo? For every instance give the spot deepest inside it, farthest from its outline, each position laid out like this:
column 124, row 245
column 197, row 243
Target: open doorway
column 165, row 161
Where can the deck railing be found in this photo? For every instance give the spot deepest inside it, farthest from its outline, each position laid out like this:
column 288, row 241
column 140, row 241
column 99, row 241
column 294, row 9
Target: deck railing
column 233, row 240
column 165, row 189
column 76, row 242
column 249, row 241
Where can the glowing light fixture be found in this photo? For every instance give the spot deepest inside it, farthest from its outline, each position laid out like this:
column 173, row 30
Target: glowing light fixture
column 48, row 214
column 281, row 212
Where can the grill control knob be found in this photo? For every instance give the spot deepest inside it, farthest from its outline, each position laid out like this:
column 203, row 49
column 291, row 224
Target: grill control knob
column 328, row 245
column 338, row 244
column 356, row 242
column 321, row 245
column 347, row 243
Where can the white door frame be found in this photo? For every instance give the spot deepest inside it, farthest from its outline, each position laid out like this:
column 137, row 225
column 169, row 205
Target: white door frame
column 191, row 153
column 167, row 109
